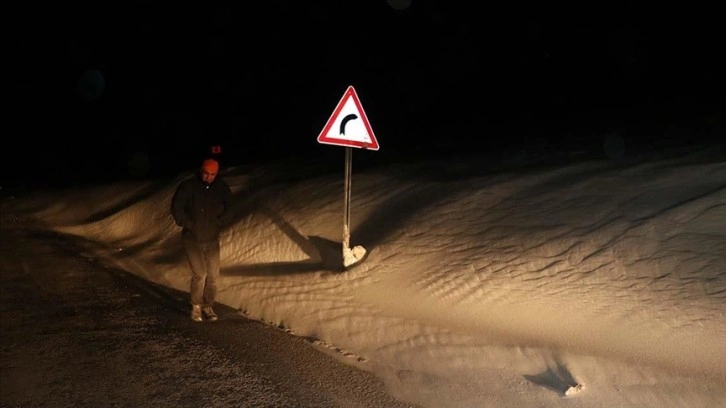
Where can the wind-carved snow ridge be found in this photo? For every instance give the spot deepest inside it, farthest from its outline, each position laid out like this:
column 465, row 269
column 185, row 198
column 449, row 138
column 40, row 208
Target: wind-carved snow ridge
column 613, row 256
column 594, row 281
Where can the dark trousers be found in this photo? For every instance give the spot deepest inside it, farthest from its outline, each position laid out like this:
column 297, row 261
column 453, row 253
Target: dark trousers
column 204, row 262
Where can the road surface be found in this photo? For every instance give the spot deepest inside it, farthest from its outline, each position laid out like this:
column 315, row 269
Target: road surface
column 78, row 333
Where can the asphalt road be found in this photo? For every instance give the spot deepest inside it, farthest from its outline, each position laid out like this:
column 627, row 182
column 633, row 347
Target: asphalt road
column 78, row 333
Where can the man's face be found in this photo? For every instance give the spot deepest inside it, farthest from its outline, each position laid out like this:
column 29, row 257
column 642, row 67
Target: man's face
column 208, row 176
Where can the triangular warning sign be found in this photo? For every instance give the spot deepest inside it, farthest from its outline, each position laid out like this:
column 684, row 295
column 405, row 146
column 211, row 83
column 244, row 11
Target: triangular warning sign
column 348, row 125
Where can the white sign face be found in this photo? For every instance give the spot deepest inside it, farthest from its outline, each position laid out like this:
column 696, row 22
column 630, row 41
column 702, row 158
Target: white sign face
column 348, row 125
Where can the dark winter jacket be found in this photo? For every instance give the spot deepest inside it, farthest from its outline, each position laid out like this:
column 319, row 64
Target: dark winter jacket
column 201, row 209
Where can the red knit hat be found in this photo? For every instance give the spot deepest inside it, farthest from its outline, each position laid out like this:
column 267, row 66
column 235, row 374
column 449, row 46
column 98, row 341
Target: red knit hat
column 210, row 166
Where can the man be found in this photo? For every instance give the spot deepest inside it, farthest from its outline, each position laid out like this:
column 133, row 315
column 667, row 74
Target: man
column 202, row 206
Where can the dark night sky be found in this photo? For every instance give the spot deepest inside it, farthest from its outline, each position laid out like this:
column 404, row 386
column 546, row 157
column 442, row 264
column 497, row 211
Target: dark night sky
column 97, row 91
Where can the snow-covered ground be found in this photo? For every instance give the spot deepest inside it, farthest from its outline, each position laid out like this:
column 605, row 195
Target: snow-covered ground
column 589, row 283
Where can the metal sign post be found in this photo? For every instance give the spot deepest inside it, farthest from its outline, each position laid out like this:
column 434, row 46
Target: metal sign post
column 355, row 255
column 348, row 181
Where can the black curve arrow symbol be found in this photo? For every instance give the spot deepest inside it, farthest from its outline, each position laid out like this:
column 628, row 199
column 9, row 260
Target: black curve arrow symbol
column 345, row 120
